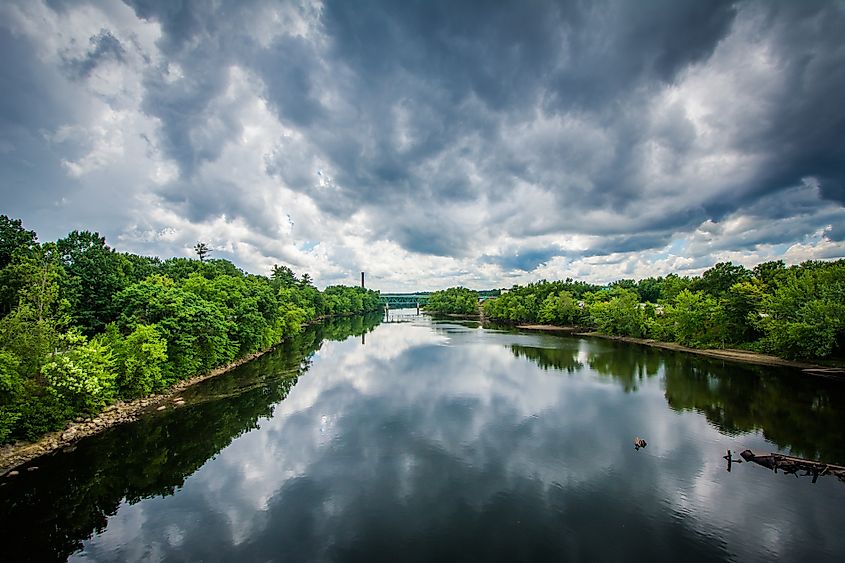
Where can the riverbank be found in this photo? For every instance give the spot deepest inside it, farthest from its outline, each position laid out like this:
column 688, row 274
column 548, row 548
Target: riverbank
column 552, row 329
column 744, row 356
column 19, row 453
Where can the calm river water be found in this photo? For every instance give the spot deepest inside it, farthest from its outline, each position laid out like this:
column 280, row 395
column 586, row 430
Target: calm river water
column 426, row 440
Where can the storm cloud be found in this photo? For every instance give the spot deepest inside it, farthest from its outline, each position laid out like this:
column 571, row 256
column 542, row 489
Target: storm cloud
column 431, row 143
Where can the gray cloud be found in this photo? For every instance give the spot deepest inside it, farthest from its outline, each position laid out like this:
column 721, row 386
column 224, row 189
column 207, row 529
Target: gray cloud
column 485, row 134
column 103, row 47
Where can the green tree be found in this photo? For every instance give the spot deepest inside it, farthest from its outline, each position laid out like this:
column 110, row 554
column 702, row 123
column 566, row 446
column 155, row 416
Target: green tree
column 650, row 290
column 31, row 329
column 81, row 373
column 140, row 360
column 770, row 273
column 741, row 305
column 718, row 280
column 196, row 330
column 11, row 391
column 805, row 316
column 621, row 314
column 455, row 300
column 672, row 285
column 178, row 269
column 13, row 237
column 282, row 276
column 139, row 268
column 560, row 309
column 95, row 274
column 291, row 314
column 624, row 283
column 696, row 318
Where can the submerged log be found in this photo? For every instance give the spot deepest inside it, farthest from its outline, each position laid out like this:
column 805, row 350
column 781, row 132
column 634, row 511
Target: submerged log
column 791, row 465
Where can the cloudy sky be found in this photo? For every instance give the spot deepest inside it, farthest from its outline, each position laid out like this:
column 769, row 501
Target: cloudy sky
column 431, row 143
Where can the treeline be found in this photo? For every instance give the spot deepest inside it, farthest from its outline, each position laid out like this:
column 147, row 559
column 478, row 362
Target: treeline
column 455, row 300
column 82, row 325
column 794, row 312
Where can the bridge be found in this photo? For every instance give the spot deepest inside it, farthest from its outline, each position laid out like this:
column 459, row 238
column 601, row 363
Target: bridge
column 404, row 300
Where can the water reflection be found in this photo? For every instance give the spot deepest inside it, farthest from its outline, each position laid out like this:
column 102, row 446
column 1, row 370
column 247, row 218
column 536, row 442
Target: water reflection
column 47, row 513
column 438, row 441
column 799, row 413
column 627, row 364
column 564, row 358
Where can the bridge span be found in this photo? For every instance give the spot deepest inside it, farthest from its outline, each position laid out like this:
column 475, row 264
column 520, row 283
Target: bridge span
column 404, row 300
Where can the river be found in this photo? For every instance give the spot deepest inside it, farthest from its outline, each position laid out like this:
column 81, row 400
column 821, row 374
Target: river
column 439, row 440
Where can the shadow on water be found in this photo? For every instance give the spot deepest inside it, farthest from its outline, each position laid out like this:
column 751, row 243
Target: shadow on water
column 46, row 514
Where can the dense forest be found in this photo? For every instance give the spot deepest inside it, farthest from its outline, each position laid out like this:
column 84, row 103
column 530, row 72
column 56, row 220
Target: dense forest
column 82, row 325
column 455, row 300
column 794, row 312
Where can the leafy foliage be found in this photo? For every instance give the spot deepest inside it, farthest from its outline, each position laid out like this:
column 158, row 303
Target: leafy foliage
column 140, row 358
column 695, row 318
column 82, row 325
column 805, row 316
column 526, row 303
column 794, row 312
column 455, row 300
column 82, row 374
column 620, row 314
column 94, row 274
column 13, row 238
column 561, row 309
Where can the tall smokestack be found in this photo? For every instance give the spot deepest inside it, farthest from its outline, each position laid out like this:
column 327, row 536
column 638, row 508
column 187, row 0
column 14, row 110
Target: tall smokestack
column 362, row 280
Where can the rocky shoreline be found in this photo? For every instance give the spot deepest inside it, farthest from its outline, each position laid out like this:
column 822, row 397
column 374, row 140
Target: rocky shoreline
column 14, row 455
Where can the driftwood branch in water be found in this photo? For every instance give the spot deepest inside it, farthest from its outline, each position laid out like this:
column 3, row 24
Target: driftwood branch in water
column 791, row 465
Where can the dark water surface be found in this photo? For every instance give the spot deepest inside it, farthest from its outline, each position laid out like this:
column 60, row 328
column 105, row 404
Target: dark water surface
column 442, row 441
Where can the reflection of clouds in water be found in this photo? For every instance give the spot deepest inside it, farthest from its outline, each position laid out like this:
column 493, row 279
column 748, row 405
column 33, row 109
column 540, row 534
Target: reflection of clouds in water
column 387, row 342
column 175, row 536
column 779, row 512
column 409, row 438
column 123, row 532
